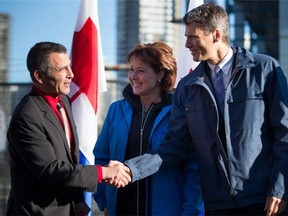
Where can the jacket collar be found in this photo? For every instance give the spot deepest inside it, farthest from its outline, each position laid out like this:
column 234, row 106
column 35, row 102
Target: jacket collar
column 242, row 59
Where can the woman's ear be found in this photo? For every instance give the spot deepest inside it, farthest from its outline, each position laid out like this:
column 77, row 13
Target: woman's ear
column 161, row 75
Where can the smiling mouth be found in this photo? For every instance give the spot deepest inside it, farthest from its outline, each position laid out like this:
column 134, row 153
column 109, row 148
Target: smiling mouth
column 136, row 84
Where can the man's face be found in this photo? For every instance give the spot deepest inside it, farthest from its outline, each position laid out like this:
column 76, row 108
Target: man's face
column 58, row 79
column 200, row 43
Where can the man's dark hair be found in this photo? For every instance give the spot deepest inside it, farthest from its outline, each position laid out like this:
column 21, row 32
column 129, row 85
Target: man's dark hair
column 38, row 56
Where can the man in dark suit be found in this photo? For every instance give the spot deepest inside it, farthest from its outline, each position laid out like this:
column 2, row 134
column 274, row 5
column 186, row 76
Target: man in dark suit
column 46, row 178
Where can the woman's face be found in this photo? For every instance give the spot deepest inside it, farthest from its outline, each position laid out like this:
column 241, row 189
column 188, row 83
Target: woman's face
column 144, row 79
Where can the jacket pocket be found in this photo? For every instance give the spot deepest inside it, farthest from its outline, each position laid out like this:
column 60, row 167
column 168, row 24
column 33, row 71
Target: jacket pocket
column 239, row 94
column 246, row 109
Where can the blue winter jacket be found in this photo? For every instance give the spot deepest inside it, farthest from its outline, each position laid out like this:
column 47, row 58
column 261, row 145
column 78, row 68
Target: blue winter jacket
column 170, row 194
column 256, row 125
column 255, row 164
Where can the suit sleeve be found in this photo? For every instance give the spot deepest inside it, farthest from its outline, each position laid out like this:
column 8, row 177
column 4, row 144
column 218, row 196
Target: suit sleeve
column 36, row 142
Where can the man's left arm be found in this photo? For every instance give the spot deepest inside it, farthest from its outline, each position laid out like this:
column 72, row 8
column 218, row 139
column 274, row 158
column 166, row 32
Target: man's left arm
column 278, row 116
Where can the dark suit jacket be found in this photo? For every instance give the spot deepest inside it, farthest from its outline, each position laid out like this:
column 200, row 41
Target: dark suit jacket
column 45, row 179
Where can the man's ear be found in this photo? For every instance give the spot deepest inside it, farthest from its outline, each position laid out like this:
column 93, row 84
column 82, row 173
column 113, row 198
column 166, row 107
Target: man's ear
column 38, row 75
column 216, row 35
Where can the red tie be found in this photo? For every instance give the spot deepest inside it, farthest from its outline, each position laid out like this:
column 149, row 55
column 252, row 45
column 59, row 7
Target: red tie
column 65, row 123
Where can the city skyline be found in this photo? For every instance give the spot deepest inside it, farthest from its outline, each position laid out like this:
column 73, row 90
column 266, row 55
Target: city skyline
column 49, row 20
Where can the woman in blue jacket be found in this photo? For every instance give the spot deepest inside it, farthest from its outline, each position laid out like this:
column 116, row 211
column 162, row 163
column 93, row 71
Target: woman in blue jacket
column 137, row 124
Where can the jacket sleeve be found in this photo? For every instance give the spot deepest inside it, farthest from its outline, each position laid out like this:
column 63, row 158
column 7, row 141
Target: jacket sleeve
column 143, row 165
column 277, row 103
column 178, row 140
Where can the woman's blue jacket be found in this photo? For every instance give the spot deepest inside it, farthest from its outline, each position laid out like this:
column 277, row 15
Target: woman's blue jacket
column 170, row 193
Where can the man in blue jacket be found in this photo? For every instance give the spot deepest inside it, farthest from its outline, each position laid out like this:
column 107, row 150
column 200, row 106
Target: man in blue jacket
column 239, row 132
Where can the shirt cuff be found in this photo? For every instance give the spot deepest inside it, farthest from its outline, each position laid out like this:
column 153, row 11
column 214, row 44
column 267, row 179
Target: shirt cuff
column 100, row 173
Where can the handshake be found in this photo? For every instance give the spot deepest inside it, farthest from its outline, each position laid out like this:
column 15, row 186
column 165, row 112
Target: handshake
column 116, row 174
column 119, row 175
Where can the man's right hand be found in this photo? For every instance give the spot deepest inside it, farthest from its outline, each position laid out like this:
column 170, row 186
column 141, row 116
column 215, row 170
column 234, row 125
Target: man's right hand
column 116, row 174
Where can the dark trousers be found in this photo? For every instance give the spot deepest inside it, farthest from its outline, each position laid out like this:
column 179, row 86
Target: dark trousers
column 254, row 210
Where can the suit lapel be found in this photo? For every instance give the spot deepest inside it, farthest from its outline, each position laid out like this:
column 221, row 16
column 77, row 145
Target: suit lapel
column 49, row 114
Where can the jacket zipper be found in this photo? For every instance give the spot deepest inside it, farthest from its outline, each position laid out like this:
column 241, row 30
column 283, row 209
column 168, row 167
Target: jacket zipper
column 232, row 190
column 143, row 122
column 228, row 176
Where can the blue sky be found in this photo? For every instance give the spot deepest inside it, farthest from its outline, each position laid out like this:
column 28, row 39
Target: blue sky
column 51, row 20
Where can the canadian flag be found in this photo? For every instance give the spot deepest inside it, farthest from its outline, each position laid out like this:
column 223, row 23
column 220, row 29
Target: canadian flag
column 89, row 79
column 185, row 63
